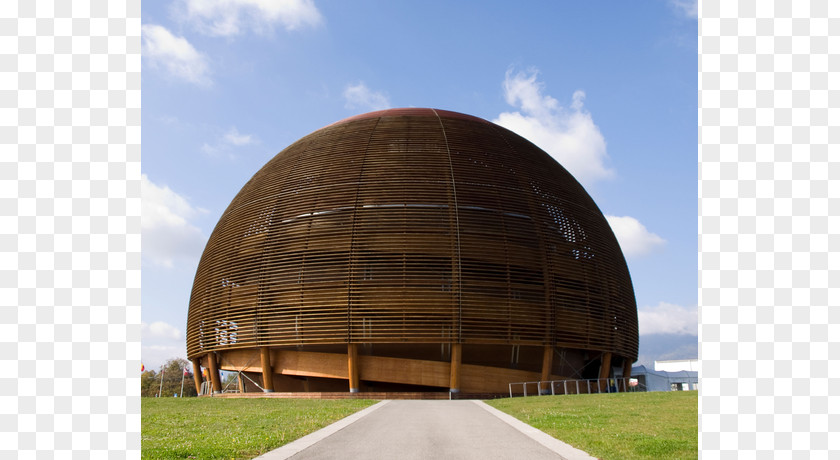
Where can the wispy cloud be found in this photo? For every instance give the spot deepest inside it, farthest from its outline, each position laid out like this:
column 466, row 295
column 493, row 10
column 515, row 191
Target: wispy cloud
column 166, row 231
column 687, row 8
column 232, row 17
column 161, row 330
column 566, row 133
column 634, row 239
column 667, row 318
column 175, row 55
column 226, row 142
column 233, row 137
column 213, row 150
column 359, row 96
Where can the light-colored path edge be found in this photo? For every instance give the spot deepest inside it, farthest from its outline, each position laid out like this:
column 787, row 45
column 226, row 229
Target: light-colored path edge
column 292, row 448
column 551, row 443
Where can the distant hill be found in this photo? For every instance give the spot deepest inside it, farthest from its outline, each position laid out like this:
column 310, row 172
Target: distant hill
column 658, row 347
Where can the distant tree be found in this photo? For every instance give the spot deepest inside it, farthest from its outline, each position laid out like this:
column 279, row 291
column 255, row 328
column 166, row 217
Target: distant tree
column 172, row 371
column 149, row 382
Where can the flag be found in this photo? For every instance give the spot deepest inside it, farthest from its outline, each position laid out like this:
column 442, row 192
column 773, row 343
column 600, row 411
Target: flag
column 142, row 367
column 182, row 380
column 186, row 372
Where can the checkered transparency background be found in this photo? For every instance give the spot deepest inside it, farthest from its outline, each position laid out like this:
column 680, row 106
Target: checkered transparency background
column 69, row 229
column 769, row 175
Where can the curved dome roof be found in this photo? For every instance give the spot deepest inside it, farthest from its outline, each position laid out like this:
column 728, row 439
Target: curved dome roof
column 412, row 225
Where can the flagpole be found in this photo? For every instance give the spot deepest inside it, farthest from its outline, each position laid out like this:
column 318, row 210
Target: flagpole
column 181, row 394
column 160, row 391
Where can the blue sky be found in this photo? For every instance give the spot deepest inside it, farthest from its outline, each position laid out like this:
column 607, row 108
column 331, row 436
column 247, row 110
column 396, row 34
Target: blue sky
column 609, row 89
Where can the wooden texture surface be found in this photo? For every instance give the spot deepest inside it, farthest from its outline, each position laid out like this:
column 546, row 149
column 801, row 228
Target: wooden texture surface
column 353, row 367
column 197, row 374
column 213, row 372
column 455, row 368
column 267, row 372
column 473, row 378
column 412, row 226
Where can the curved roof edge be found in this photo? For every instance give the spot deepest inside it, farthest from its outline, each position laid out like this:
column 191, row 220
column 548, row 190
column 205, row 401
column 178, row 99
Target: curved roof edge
column 409, row 111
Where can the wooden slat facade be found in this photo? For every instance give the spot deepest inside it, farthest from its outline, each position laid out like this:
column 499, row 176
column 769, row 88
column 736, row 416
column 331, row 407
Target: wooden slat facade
column 412, row 226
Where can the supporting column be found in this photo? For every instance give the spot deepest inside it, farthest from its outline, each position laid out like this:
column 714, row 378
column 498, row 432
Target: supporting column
column 353, row 366
column 196, row 375
column 213, row 370
column 548, row 354
column 241, row 381
column 267, row 372
column 455, row 369
column 605, row 370
column 628, row 368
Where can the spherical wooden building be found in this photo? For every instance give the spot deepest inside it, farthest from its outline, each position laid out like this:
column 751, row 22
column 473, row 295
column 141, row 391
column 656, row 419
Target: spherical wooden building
column 411, row 250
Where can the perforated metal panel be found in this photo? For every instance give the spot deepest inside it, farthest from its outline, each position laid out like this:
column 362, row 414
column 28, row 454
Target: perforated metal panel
column 412, row 225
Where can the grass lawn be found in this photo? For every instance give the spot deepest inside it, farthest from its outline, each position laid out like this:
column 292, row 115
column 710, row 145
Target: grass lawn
column 233, row 428
column 652, row 425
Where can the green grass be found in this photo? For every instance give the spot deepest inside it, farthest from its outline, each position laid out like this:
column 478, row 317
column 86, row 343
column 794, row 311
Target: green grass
column 609, row 426
column 653, row 425
column 216, row 428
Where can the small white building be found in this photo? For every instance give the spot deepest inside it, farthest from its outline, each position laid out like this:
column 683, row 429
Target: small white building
column 677, row 365
column 656, row 380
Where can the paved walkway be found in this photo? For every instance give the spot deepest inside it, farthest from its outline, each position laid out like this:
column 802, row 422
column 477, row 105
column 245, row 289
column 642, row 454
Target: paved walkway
column 411, row 429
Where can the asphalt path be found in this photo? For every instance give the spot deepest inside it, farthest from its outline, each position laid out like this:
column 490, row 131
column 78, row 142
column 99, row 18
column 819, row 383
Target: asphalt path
column 411, row 429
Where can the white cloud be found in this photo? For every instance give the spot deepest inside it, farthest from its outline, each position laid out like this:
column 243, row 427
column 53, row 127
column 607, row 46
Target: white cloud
column 688, row 8
column 633, row 237
column 667, row 318
column 211, row 150
column 224, row 144
column 568, row 134
column 233, row 17
column 161, row 342
column 361, row 97
column 175, row 54
column 233, row 137
column 160, row 330
column 167, row 233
